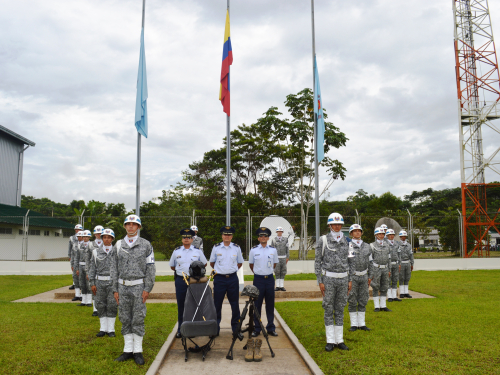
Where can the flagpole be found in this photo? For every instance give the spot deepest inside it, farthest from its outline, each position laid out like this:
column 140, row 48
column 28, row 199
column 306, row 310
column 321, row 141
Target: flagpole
column 316, row 175
column 228, row 158
column 138, row 181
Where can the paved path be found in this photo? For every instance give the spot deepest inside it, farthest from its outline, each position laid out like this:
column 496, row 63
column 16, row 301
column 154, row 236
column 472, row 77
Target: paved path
column 286, row 361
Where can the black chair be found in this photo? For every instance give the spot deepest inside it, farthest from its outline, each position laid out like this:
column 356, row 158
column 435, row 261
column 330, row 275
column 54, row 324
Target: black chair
column 200, row 318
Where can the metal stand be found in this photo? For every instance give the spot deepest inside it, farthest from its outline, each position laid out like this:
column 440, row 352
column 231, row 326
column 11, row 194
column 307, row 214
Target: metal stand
column 239, row 333
column 204, row 349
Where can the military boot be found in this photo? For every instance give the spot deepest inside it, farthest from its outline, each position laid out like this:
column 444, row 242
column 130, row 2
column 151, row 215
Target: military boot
column 250, row 350
column 257, row 356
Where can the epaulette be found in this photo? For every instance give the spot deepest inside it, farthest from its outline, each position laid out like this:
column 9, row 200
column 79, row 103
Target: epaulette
column 218, row 244
column 272, row 247
column 235, row 244
column 255, row 246
column 177, row 248
column 196, row 248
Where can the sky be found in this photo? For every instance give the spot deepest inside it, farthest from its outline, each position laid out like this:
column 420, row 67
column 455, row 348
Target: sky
column 68, row 73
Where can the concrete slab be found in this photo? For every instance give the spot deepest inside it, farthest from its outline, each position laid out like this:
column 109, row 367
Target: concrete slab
column 286, row 361
column 164, row 292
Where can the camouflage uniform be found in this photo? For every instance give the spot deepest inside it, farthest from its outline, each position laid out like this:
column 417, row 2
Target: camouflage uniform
column 333, row 261
column 100, row 268
column 130, row 264
column 406, row 253
column 394, row 269
column 92, row 245
column 359, row 295
column 75, row 266
column 281, row 247
column 80, row 261
column 198, row 242
column 381, row 261
column 72, row 242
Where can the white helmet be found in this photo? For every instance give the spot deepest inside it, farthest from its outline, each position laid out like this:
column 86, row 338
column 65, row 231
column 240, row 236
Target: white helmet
column 389, row 231
column 335, row 218
column 379, row 230
column 80, row 233
column 403, row 234
column 279, row 229
column 86, row 233
column 78, row 226
column 133, row 219
column 355, row 226
column 194, row 227
column 108, row 232
column 98, row 229
column 383, row 227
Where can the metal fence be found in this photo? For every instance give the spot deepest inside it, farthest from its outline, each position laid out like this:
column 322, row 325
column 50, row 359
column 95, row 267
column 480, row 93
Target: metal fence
column 38, row 238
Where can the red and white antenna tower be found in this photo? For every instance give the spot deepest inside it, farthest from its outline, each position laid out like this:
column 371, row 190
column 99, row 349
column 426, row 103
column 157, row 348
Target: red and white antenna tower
column 478, row 90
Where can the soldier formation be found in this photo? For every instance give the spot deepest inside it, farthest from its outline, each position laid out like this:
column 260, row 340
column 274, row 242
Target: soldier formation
column 108, row 276
column 345, row 269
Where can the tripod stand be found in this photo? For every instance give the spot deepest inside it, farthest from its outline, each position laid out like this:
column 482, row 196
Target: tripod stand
column 249, row 329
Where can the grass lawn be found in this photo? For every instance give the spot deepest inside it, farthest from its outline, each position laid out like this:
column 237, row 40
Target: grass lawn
column 59, row 338
column 455, row 333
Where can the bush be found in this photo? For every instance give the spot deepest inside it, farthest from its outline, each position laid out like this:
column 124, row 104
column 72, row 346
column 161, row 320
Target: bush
column 423, row 249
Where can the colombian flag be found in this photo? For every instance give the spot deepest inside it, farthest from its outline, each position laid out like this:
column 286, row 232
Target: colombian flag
column 227, row 59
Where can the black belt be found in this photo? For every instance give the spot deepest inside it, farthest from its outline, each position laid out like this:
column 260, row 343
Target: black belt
column 265, row 276
column 226, row 276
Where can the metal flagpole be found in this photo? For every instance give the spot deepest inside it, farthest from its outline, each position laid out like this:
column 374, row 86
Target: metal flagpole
column 138, row 181
column 316, row 177
column 228, row 157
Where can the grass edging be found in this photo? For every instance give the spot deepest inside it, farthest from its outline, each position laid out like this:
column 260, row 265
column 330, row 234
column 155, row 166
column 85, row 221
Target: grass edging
column 309, row 361
column 155, row 366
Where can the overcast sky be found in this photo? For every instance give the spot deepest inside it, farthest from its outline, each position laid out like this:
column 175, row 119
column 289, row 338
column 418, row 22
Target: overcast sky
column 68, row 72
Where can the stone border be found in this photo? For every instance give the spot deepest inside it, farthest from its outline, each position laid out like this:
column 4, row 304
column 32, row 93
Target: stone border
column 310, row 363
column 155, row 366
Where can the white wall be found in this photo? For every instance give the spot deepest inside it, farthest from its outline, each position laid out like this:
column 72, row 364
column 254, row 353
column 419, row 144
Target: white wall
column 39, row 247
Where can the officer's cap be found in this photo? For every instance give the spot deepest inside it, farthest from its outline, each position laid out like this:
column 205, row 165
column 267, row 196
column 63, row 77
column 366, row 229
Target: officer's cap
column 227, row 230
column 263, row 230
column 187, row 233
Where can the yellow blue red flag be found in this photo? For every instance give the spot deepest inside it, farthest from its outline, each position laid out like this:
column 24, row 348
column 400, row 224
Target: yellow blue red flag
column 227, row 60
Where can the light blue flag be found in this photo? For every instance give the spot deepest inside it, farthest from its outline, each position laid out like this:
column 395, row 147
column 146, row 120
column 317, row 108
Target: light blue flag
column 318, row 112
column 141, row 107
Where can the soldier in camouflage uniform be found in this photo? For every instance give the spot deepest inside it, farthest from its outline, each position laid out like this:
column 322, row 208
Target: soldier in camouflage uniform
column 197, row 240
column 100, row 282
column 381, row 262
column 133, row 273
column 74, row 264
column 81, row 257
column 72, row 241
column 395, row 266
column 406, row 252
column 363, row 273
column 280, row 243
column 94, row 245
column 333, row 272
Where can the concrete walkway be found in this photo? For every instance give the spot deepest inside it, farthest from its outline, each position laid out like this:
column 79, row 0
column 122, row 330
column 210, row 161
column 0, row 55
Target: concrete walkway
column 286, row 361
column 164, row 292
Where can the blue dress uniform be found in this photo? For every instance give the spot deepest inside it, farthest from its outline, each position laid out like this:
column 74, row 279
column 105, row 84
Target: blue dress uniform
column 226, row 259
column 263, row 260
column 181, row 259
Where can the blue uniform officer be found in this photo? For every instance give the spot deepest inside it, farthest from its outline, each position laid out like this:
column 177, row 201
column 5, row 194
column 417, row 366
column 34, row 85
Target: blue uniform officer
column 181, row 259
column 262, row 260
column 226, row 259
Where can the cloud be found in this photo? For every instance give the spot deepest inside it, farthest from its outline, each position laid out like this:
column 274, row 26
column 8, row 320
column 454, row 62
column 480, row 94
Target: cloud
column 69, row 72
